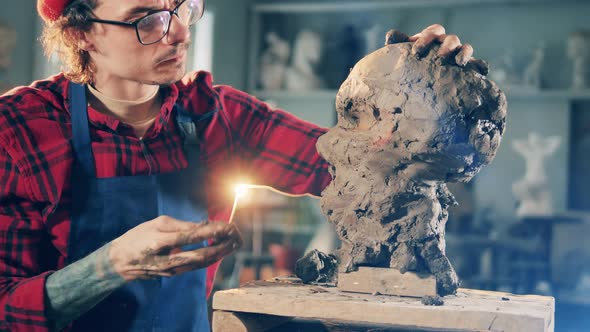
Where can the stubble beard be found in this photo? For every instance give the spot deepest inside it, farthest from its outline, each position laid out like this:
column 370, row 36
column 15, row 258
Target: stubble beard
column 164, row 81
column 180, row 68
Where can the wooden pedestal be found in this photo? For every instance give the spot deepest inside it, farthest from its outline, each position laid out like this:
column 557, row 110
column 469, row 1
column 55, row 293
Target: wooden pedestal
column 263, row 306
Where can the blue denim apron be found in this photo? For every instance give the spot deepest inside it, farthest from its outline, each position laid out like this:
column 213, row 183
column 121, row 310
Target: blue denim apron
column 105, row 208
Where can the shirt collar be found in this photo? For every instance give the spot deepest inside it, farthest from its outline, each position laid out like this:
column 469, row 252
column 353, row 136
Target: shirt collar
column 169, row 98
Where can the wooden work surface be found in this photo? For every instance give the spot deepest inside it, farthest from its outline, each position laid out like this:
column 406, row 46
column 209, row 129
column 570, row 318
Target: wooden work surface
column 469, row 310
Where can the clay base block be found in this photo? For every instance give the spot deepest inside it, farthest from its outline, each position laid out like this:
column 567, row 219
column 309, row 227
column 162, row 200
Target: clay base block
column 386, row 281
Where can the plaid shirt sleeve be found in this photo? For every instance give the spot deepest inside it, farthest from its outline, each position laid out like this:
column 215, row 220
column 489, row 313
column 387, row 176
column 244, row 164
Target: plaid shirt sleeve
column 22, row 238
column 248, row 141
column 275, row 148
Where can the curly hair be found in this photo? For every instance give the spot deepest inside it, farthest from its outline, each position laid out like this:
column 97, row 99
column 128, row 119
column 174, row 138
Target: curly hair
column 62, row 37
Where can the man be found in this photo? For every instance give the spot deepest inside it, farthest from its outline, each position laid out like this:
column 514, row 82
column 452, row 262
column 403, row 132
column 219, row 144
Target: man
column 109, row 170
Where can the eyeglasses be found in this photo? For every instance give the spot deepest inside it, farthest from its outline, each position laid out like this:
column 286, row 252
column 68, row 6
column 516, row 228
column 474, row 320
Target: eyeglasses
column 155, row 25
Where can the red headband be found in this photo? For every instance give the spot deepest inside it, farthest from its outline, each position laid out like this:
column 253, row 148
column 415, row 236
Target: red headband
column 51, row 10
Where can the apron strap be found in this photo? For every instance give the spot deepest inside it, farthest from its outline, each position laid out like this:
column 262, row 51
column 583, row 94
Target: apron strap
column 80, row 132
column 188, row 124
column 188, row 128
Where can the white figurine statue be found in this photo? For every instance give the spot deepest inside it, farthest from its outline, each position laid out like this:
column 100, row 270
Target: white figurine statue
column 532, row 192
column 307, row 53
column 373, row 36
column 503, row 71
column 532, row 72
column 578, row 50
column 7, row 44
column 274, row 62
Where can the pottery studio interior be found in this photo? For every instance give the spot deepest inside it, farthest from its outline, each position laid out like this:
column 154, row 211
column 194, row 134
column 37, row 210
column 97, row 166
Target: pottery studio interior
column 317, row 165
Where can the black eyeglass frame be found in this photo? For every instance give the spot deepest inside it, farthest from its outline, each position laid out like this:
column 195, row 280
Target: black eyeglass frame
column 135, row 22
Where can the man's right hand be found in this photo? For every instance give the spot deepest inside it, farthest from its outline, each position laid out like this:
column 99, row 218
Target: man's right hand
column 153, row 249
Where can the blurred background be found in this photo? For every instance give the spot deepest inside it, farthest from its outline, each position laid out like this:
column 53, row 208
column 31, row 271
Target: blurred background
column 523, row 223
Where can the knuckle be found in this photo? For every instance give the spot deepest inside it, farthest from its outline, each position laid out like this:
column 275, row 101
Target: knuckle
column 437, row 27
column 154, row 244
column 162, row 219
column 163, row 247
column 452, row 39
column 198, row 257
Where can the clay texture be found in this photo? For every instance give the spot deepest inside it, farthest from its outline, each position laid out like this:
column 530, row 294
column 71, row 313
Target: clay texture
column 406, row 126
column 316, row 267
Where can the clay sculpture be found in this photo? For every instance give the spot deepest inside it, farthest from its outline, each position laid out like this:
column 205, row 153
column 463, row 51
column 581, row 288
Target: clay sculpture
column 406, row 127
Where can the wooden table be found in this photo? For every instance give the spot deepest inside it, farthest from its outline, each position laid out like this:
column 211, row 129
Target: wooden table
column 262, row 306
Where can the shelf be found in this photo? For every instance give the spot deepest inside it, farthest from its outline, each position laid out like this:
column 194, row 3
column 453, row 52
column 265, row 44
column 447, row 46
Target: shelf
column 310, row 7
column 573, row 297
column 526, row 93
column 298, row 229
column 515, row 92
column 294, row 95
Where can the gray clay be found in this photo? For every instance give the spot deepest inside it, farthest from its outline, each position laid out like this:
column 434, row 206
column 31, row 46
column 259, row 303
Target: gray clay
column 316, row 267
column 432, row 300
column 406, row 127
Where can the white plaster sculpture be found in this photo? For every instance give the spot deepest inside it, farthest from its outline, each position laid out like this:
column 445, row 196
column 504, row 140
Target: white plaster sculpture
column 307, row 53
column 502, row 71
column 532, row 72
column 373, row 38
column 578, row 50
column 274, row 62
column 532, row 191
column 7, row 44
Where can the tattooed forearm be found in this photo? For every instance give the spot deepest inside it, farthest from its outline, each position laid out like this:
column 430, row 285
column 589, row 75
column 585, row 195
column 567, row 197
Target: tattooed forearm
column 78, row 287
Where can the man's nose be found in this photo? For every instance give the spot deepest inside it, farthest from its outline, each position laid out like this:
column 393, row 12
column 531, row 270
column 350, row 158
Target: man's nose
column 178, row 32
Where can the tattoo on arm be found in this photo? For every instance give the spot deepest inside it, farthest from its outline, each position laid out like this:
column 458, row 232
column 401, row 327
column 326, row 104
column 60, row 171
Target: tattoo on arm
column 78, row 287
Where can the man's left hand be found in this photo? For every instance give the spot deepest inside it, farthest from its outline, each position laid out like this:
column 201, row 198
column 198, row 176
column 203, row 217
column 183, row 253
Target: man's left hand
column 450, row 47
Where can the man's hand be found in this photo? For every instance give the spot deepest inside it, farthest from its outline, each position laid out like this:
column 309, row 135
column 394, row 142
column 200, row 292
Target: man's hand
column 450, row 46
column 152, row 249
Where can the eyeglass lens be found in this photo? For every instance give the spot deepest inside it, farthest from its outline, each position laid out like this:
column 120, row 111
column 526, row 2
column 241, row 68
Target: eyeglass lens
column 154, row 27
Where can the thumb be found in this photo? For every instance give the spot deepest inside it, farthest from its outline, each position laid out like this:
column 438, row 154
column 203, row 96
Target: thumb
column 395, row 36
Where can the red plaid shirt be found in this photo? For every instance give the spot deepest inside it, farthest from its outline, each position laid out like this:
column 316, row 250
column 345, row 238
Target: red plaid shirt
column 245, row 139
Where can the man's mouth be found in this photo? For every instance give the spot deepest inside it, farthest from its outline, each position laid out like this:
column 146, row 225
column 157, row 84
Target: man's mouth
column 174, row 58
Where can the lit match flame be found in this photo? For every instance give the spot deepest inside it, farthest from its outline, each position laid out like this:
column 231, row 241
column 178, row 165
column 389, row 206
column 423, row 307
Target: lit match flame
column 240, row 190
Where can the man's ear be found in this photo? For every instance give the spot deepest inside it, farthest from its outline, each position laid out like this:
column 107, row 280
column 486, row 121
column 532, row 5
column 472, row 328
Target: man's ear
column 81, row 38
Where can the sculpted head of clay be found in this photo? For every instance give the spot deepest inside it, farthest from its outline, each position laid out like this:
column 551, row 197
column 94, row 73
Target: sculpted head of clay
column 431, row 121
column 406, row 126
